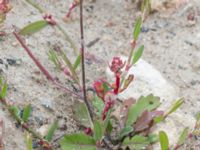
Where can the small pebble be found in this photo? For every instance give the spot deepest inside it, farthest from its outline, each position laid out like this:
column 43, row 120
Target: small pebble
column 47, row 103
column 1, row 61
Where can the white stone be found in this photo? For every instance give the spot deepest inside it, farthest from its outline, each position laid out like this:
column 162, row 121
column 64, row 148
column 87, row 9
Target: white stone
column 149, row 80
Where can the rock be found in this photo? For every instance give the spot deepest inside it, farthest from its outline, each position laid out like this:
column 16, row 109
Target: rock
column 47, row 103
column 160, row 5
column 43, row 130
column 149, row 80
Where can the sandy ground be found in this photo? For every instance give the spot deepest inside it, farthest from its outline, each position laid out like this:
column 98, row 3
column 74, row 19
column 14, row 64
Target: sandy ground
column 171, row 45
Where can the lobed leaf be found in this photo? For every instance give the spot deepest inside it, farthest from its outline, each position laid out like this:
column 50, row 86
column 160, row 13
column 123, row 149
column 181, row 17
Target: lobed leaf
column 164, row 142
column 33, row 27
column 26, row 113
column 79, row 141
column 51, row 131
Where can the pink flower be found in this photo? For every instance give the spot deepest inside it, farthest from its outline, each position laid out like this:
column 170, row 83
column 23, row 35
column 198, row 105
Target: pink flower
column 116, row 65
column 4, row 6
column 49, row 19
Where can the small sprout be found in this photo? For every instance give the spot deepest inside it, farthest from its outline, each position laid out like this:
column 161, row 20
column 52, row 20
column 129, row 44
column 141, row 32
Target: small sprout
column 26, row 113
column 175, row 106
column 51, row 131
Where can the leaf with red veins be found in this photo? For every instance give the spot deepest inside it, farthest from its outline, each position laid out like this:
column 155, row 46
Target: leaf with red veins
column 146, row 119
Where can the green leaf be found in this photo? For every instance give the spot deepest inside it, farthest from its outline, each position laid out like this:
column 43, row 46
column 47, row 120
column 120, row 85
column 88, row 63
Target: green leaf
column 77, row 62
column 164, row 142
column 26, row 113
column 33, row 27
column 29, row 141
column 153, row 102
column 137, row 28
column 149, row 103
column 138, row 54
column 98, row 130
column 175, row 106
column 98, row 105
column 15, row 111
column 81, row 114
column 78, row 141
column 158, row 119
column 3, row 91
column 125, row 131
column 198, row 117
column 107, row 121
column 1, row 81
column 138, row 142
column 54, row 58
column 71, row 68
column 183, row 136
column 153, row 138
column 51, row 131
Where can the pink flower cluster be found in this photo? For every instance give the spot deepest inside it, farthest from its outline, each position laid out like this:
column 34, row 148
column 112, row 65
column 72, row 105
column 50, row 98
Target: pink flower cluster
column 5, row 7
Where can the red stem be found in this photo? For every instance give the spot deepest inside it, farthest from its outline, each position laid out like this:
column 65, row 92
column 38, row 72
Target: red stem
column 117, row 84
column 36, row 61
column 42, row 68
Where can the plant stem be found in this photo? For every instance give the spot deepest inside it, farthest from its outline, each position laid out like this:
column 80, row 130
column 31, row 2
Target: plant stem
column 35, row 5
column 25, row 126
column 43, row 69
column 67, row 38
column 83, row 61
column 41, row 10
column 37, row 62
